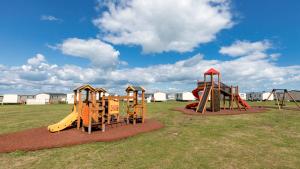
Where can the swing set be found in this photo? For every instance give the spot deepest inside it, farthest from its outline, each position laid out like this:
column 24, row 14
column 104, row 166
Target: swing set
column 280, row 97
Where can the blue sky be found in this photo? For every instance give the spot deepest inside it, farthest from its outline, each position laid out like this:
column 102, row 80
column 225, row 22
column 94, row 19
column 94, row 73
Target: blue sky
column 112, row 43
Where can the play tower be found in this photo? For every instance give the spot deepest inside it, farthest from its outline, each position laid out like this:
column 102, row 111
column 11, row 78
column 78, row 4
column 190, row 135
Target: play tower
column 213, row 91
column 94, row 109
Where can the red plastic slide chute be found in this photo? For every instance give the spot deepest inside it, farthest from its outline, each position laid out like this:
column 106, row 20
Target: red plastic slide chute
column 195, row 104
column 243, row 102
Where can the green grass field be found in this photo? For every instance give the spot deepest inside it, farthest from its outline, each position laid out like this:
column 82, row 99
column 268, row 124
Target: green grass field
column 264, row 140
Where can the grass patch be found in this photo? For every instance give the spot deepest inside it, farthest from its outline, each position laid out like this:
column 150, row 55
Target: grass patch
column 263, row 140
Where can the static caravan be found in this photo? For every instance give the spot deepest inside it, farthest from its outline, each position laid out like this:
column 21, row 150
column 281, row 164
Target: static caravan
column 253, row 96
column 10, row 99
column 35, row 101
column 243, row 96
column 185, row 96
column 23, row 98
column 43, row 97
column 57, row 97
column 295, row 94
column 265, row 95
column 149, row 97
column 259, row 96
column 70, row 98
column 52, row 97
column 1, row 99
column 159, row 97
column 171, row 96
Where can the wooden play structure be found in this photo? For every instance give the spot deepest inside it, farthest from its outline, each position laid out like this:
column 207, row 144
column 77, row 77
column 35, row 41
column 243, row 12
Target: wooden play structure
column 214, row 90
column 280, row 96
column 93, row 109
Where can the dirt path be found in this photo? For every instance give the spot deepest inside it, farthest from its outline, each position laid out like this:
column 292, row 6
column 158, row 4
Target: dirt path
column 41, row 138
column 222, row 112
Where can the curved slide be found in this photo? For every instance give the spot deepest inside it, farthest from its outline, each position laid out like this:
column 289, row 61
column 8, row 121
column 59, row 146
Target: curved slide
column 64, row 123
column 195, row 104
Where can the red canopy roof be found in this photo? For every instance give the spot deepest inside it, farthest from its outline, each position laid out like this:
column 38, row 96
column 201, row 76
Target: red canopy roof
column 212, row 71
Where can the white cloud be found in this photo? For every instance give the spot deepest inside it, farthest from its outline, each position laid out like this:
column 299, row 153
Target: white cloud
column 100, row 53
column 275, row 56
column 254, row 72
column 36, row 60
column 242, row 48
column 50, row 18
column 168, row 25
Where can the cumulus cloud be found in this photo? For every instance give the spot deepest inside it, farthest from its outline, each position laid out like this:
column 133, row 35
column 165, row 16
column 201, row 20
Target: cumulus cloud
column 36, row 60
column 100, row 53
column 181, row 75
column 161, row 26
column 50, row 18
column 242, row 48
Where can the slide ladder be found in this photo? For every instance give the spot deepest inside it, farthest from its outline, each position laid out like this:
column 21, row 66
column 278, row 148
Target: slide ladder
column 65, row 122
column 203, row 100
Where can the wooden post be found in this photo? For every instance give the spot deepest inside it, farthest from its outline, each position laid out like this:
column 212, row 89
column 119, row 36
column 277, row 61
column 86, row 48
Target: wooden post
column 79, row 109
column 108, row 112
column 293, row 98
column 219, row 83
column 270, row 95
column 212, row 106
column 283, row 98
column 88, row 97
column 90, row 123
column 230, row 99
column 127, row 101
column 135, row 101
column 103, row 113
column 224, row 102
column 236, row 97
column 143, row 106
column 277, row 100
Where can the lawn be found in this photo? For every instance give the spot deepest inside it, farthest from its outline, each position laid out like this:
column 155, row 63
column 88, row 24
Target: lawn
column 264, row 140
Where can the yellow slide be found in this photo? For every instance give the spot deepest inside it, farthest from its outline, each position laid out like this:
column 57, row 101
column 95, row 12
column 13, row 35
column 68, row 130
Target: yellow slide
column 64, row 123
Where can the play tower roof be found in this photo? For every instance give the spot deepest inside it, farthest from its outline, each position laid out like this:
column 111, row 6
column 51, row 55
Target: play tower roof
column 212, row 71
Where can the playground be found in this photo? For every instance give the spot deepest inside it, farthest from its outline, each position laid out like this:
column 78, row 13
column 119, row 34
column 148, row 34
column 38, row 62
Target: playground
column 92, row 111
column 218, row 130
column 213, row 91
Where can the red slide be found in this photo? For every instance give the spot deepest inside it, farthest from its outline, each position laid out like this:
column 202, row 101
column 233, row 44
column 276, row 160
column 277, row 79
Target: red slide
column 196, row 93
column 243, row 102
column 195, row 104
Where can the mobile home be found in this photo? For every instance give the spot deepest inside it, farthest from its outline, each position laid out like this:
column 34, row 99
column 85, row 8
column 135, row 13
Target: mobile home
column 70, row 98
column 243, row 96
column 43, row 97
column 10, row 99
column 295, row 94
column 52, row 97
column 23, row 98
column 159, row 97
column 265, row 95
column 58, row 97
column 185, row 96
column 259, row 96
column 171, row 96
column 148, row 97
column 1, row 99
column 35, row 101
